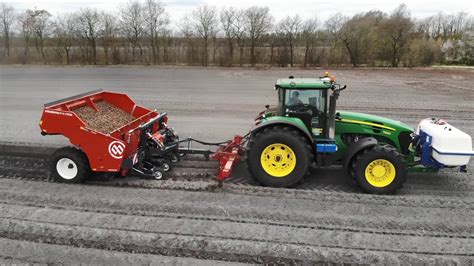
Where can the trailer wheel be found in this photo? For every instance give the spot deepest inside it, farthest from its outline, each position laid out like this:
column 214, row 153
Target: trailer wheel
column 379, row 170
column 69, row 165
column 166, row 166
column 279, row 156
column 158, row 174
column 174, row 158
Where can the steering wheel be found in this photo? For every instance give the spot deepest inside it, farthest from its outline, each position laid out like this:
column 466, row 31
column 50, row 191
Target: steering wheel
column 304, row 108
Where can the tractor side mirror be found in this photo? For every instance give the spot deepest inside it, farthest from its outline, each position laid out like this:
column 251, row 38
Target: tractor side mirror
column 339, row 89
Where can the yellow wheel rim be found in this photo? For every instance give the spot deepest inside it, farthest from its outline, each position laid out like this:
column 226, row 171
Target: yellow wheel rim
column 278, row 160
column 380, row 173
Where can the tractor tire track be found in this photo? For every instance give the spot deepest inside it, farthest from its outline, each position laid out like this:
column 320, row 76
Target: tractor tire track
column 28, row 195
column 75, row 218
column 25, row 252
column 319, row 222
column 205, row 247
column 124, row 233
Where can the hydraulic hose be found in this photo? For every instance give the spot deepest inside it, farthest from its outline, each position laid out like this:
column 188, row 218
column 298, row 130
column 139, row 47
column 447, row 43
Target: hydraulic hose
column 210, row 143
column 204, row 142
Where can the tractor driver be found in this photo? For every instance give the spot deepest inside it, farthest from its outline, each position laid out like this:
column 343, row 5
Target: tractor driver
column 295, row 100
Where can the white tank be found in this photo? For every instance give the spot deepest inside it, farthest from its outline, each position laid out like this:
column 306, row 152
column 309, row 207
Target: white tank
column 447, row 139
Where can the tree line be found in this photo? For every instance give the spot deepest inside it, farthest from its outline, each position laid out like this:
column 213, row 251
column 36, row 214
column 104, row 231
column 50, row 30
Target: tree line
column 141, row 33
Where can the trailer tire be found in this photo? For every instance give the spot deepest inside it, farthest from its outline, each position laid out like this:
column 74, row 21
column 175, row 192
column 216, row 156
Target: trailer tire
column 69, row 165
column 167, row 166
column 379, row 170
column 294, row 146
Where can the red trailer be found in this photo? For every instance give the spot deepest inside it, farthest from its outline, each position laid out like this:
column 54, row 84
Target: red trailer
column 111, row 133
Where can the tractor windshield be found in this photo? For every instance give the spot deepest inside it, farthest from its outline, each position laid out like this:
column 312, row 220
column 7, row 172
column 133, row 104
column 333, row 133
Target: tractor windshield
column 309, row 105
column 311, row 98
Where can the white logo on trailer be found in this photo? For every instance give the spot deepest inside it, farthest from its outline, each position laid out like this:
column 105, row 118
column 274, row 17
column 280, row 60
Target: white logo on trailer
column 135, row 158
column 116, row 149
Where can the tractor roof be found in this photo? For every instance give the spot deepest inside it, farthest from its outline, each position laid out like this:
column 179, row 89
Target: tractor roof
column 302, row 83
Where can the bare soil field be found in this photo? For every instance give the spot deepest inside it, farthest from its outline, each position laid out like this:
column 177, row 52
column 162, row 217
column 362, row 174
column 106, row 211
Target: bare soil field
column 187, row 218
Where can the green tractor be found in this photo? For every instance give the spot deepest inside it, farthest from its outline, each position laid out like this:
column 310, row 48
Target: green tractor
column 305, row 129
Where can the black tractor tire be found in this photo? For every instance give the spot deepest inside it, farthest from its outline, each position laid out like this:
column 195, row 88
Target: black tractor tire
column 69, row 165
column 389, row 153
column 289, row 137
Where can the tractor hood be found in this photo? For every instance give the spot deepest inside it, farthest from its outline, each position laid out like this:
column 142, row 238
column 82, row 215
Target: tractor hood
column 366, row 119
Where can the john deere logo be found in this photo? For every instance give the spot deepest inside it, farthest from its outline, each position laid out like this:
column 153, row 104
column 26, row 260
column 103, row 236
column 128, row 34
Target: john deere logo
column 116, row 149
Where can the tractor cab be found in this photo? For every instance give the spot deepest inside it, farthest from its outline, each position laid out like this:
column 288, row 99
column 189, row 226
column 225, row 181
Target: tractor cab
column 305, row 99
column 311, row 100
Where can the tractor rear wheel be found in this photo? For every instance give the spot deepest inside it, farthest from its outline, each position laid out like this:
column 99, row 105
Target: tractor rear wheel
column 69, row 165
column 379, row 170
column 279, row 156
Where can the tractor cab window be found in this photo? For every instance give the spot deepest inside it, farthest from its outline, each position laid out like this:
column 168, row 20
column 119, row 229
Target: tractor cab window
column 309, row 106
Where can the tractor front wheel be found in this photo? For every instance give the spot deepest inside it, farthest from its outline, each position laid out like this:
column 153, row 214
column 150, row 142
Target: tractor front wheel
column 69, row 165
column 279, row 156
column 379, row 170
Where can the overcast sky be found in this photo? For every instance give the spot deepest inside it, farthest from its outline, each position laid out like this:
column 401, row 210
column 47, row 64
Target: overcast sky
column 305, row 8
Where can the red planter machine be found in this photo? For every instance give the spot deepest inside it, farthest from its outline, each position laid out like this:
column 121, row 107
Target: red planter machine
column 146, row 146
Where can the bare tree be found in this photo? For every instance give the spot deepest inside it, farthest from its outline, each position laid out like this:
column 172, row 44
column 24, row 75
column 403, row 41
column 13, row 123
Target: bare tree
column 309, row 35
column 259, row 21
column 448, row 26
column 422, row 26
column 228, row 17
column 133, row 25
column 461, row 23
column 89, row 25
column 451, row 26
column 186, row 30
column 240, row 32
column 454, row 25
column 40, row 26
column 290, row 27
column 7, row 17
column 205, row 23
column 167, row 37
column 333, row 26
column 332, row 29
column 108, row 32
column 64, row 28
column 26, row 25
column 397, row 30
column 273, row 41
column 215, row 42
column 437, row 25
column 155, row 18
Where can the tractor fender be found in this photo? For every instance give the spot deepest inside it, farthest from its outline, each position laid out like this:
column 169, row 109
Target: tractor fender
column 356, row 148
column 285, row 123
